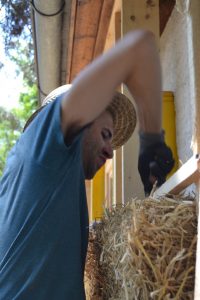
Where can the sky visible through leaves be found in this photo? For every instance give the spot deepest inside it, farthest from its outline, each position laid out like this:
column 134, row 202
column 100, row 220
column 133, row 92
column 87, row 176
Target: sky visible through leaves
column 11, row 83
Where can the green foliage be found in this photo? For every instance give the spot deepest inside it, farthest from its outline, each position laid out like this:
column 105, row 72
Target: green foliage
column 23, row 56
column 12, row 122
column 16, row 21
column 16, row 29
column 15, row 24
column 28, row 101
column 9, row 132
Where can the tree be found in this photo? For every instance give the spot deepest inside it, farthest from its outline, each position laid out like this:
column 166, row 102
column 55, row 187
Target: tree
column 12, row 122
column 16, row 28
column 9, row 132
column 28, row 102
column 24, row 60
column 15, row 24
column 16, row 21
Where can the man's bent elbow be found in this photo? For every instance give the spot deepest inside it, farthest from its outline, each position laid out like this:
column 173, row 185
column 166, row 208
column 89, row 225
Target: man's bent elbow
column 140, row 37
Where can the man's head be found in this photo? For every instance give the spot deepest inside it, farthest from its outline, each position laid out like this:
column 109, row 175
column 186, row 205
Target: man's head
column 109, row 131
column 97, row 144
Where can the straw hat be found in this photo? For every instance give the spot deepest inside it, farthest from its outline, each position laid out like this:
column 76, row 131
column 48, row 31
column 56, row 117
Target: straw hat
column 121, row 109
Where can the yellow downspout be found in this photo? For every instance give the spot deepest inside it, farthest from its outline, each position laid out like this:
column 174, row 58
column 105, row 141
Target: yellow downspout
column 98, row 195
column 169, row 125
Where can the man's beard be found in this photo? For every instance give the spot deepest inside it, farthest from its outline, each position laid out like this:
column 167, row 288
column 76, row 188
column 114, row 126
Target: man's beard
column 90, row 164
column 90, row 170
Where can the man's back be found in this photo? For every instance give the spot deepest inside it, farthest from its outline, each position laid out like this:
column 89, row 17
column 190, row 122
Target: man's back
column 43, row 215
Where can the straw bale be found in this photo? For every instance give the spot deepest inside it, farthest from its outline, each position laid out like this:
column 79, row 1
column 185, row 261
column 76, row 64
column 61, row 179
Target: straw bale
column 146, row 250
column 93, row 271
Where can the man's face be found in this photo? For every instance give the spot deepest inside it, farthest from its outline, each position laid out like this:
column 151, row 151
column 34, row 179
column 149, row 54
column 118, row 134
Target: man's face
column 97, row 144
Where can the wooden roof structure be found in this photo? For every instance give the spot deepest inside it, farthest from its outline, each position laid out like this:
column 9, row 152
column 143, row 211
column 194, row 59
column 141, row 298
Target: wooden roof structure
column 89, row 22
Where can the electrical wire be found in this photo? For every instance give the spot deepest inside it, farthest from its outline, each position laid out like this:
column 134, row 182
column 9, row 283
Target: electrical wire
column 44, row 14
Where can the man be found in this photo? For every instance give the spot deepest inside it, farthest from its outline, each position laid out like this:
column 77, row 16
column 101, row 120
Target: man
column 43, row 212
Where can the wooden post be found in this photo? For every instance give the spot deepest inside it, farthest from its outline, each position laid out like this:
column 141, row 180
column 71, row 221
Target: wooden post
column 140, row 14
column 114, row 33
column 117, row 177
column 197, row 268
column 136, row 14
column 193, row 19
column 117, row 160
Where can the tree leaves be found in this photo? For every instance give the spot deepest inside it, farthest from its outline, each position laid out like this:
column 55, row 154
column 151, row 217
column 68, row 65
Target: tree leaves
column 16, row 21
column 12, row 122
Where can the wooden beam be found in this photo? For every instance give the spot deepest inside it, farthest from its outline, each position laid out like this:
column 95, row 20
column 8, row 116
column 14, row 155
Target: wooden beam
column 165, row 8
column 197, row 267
column 86, row 27
column 136, row 14
column 141, row 14
column 189, row 173
column 104, row 21
column 89, row 23
column 114, row 30
column 71, row 40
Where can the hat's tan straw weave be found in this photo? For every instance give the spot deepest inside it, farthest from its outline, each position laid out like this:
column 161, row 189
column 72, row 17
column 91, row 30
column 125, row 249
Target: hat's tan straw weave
column 124, row 119
column 121, row 109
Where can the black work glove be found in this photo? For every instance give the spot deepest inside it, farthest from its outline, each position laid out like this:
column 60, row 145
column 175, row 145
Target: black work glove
column 155, row 159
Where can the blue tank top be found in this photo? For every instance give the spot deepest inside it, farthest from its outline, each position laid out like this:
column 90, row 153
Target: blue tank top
column 43, row 214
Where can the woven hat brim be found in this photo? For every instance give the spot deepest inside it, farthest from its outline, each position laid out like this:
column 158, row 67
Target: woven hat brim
column 48, row 99
column 124, row 119
column 121, row 109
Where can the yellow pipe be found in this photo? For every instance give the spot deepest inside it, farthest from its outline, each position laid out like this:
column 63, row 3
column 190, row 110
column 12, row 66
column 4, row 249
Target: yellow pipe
column 98, row 195
column 169, row 125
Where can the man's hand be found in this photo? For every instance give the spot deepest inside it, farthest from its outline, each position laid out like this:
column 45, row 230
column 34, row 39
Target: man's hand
column 155, row 160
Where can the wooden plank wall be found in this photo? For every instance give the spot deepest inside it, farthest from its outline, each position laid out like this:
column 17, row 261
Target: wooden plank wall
column 89, row 25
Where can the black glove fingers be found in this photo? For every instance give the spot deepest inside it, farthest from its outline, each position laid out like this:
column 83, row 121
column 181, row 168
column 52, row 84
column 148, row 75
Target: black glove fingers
column 164, row 159
column 158, row 173
column 144, row 170
column 157, row 161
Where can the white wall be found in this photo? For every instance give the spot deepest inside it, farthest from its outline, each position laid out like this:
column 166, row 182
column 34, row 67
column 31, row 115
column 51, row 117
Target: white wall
column 174, row 49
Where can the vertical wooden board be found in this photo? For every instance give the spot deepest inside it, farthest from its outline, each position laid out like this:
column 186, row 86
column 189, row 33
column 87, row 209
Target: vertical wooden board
column 194, row 27
column 108, row 178
column 117, row 176
column 115, row 34
column 195, row 23
column 71, row 39
column 104, row 22
column 165, row 9
column 140, row 14
column 85, row 34
column 111, row 36
column 197, row 267
column 136, row 14
column 88, row 195
column 118, row 32
column 131, row 182
column 117, row 165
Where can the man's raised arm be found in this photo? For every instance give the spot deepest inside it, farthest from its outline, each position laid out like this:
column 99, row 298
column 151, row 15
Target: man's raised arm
column 133, row 61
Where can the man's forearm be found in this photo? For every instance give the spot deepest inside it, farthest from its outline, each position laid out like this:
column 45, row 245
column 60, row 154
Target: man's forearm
column 145, row 85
